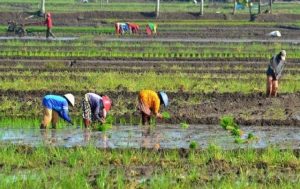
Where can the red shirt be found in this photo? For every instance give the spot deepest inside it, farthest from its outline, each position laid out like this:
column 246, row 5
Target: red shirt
column 48, row 22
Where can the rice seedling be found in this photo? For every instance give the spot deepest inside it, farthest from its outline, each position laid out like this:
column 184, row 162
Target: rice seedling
column 166, row 115
column 184, row 125
column 193, row 145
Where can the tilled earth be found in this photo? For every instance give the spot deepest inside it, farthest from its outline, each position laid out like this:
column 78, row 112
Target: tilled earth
column 100, row 19
column 193, row 108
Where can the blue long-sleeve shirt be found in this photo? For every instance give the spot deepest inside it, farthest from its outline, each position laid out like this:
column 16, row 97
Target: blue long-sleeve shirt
column 58, row 104
column 96, row 105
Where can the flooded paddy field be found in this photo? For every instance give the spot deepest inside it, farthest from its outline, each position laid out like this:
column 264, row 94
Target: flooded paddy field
column 73, row 158
column 159, row 137
column 210, row 66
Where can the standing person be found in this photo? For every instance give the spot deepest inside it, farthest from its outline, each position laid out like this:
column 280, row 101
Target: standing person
column 274, row 72
column 49, row 24
column 149, row 103
column 95, row 108
column 56, row 106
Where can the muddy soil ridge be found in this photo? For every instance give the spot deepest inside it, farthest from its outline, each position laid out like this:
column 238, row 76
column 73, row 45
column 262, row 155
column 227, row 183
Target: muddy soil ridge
column 96, row 17
column 192, row 108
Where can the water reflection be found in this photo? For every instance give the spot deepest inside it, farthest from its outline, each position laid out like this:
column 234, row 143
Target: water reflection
column 150, row 138
column 153, row 137
column 48, row 136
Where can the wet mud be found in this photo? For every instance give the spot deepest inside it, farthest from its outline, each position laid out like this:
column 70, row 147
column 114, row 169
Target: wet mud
column 192, row 108
column 159, row 137
column 174, row 33
column 99, row 17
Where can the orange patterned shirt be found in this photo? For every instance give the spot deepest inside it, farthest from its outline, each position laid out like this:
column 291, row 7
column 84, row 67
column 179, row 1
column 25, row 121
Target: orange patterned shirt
column 150, row 99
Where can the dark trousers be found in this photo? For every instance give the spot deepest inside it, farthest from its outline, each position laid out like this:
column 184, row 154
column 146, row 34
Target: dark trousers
column 145, row 118
column 49, row 33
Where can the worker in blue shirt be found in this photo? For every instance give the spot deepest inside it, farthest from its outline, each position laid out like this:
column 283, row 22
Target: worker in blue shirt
column 56, row 106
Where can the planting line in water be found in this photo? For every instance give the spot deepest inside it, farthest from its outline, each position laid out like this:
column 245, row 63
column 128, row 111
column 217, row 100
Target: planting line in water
column 165, row 137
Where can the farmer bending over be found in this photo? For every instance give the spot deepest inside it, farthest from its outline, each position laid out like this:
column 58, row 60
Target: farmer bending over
column 149, row 102
column 151, row 29
column 274, row 71
column 95, row 108
column 56, row 106
column 133, row 28
column 48, row 23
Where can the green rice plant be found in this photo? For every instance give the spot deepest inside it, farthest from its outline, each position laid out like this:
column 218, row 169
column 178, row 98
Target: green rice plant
column 104, row 127
column 227, row 122
column 184, row 125
column 239, row 140
column 236, row 132
column 250, row 136
column 193, row 145
column 166, row 115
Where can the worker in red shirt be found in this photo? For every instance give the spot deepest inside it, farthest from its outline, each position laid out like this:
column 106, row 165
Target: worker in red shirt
column 48, row 23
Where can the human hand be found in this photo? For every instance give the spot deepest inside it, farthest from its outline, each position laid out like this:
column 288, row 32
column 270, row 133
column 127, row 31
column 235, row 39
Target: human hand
column 102, row 120
column 159, row 116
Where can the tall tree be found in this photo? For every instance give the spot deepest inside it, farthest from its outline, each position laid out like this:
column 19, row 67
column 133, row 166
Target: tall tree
column 157, row 8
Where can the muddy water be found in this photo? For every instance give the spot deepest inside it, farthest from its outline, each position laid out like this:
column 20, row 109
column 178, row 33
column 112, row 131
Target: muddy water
column 159, row 137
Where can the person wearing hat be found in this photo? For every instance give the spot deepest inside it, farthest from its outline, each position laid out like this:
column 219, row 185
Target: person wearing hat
column 274, row 72
column 49, row 24
column 95, row 108
column 149, row 103
column 56, row 106
column 151, row 29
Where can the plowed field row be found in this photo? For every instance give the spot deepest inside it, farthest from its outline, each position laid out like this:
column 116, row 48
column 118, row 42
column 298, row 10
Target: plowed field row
column 187, row 107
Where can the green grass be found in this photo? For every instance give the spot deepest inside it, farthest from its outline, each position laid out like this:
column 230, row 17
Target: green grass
column 102, row 81
column 90, row 167
column 72, row 6
column 89, row 49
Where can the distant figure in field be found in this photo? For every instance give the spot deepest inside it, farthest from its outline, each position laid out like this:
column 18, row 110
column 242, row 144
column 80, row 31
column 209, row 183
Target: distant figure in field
column 151, row 29
column 149, row 103
column 121, row 28
column 95, row 108
column 49, row 24
column 133, row 28
column 56, row 106
column 274, row 72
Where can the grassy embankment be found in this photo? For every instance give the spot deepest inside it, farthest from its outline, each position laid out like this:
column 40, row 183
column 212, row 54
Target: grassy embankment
column 89, row 167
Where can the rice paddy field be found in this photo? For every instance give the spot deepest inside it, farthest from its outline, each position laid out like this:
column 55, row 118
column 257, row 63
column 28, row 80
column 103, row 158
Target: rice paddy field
column 213, row 68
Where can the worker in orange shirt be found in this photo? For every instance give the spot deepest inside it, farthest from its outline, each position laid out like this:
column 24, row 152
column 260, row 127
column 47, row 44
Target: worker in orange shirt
column 149, row 103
